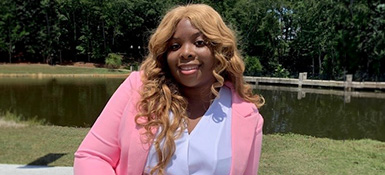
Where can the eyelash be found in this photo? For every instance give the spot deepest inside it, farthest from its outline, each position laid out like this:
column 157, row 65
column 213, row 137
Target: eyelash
column 174, row 47
column 199, row 43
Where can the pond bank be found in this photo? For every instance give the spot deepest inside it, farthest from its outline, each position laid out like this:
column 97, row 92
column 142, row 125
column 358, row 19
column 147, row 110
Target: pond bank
column 44, row 70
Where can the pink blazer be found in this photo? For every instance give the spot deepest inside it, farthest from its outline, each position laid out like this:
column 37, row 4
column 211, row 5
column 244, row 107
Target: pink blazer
column 113, row 146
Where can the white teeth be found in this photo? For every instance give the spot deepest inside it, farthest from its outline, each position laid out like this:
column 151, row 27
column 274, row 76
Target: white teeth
column 189, row 68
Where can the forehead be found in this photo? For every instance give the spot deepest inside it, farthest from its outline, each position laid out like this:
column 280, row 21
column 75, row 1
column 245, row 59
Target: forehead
column 185, row 28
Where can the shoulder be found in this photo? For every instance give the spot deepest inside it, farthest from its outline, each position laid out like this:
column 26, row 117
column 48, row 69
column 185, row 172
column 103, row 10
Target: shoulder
column 133, row 81
column 135, row 77
column 239, row 104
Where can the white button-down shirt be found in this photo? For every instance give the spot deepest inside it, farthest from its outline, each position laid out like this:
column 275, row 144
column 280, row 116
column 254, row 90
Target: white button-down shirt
column 207, row 149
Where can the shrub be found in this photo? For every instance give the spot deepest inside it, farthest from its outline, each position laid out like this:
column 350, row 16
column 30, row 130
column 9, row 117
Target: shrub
column 279, row 70
column 113, row 61
column 252, row 66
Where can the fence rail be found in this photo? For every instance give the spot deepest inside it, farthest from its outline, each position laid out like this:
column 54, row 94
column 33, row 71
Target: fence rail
column 302, row 80
column 301, row 92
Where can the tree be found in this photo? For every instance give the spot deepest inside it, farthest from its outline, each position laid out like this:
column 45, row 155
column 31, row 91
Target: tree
column 49, row 35
column 11, row 29
column 327, row 39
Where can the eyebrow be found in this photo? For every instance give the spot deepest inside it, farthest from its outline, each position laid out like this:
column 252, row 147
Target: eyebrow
column 194, row 35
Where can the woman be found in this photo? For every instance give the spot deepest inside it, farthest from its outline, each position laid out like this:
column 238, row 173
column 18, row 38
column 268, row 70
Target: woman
column 188, row 111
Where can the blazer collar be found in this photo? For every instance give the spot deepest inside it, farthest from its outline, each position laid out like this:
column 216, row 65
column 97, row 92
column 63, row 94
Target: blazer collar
column 240, row 106
column 243, row 126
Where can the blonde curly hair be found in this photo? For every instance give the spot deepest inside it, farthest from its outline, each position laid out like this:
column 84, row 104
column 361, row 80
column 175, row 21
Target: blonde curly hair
column 160, row 93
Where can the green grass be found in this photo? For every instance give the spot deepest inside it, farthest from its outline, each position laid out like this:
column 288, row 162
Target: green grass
column 24, row 141
column 46, row 69
column 298, row 154
column 8, row 117
column 23, row 145
column 281, row 154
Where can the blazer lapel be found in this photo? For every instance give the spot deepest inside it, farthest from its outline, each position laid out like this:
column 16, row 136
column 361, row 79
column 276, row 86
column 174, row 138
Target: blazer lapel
column 242, row 125
column 138, row 150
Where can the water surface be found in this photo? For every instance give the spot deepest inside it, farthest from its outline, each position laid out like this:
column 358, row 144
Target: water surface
column 79, row 101
column 324, row 115
column 59, row 101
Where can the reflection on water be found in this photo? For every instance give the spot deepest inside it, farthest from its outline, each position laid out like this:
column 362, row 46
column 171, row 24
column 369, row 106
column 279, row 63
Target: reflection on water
column 323, row 115
column 78, row 102
column 61, row 101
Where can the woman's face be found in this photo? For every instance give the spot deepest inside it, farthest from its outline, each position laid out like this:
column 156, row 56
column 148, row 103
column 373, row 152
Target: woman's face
column 189, row 58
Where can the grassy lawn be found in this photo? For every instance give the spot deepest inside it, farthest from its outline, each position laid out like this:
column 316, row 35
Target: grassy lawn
column 298, row 154
column 26, row 144
column 47, row 69
column 281, row 154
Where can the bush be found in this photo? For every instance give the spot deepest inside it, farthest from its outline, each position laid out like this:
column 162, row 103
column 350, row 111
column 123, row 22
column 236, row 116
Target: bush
column 279, row 70
column 252, row 66
column 113, row 61
column 133, row 66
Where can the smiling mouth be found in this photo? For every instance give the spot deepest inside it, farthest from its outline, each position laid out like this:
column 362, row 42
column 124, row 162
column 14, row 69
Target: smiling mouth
column 188, row 69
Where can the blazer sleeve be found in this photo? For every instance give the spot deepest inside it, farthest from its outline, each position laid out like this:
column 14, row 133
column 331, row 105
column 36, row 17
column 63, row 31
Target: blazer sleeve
column 99, row 153
column 255, row 154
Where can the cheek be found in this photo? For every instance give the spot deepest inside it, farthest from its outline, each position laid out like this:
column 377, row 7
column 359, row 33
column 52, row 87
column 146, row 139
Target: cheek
column 210, row 60
column 171, row 61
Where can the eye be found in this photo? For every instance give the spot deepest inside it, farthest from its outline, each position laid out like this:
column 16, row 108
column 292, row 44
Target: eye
column 200, row 43
column 174, row 47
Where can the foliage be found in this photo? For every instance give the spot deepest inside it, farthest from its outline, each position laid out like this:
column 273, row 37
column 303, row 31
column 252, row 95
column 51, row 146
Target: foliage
column 133, row 65
column 327, row 39
column 113, row 61
column 11, row 30
column 279, row 70
column 252, row 66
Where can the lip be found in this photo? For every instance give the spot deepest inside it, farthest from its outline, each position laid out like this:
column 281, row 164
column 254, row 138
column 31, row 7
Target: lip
column 188, row 66
column 188, row 69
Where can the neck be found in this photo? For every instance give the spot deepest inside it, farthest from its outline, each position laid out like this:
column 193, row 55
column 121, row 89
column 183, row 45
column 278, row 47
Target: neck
column 199, row 100
column 199, row 95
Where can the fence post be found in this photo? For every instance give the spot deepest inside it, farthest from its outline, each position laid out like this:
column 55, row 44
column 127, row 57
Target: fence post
column 256, row 81
column 301, row 78
column 348, row 82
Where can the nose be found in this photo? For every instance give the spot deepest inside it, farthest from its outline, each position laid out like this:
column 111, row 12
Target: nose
column 187, row 51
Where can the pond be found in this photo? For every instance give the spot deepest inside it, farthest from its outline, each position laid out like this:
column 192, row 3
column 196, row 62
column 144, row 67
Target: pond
column 324, row 113
column 59, row 101
column 320, row 113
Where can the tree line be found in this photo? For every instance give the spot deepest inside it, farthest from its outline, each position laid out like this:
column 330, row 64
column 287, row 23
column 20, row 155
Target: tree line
column 327, row 39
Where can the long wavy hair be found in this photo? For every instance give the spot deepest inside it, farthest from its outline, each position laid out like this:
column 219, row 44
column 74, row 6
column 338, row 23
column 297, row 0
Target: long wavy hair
column 160, row 94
